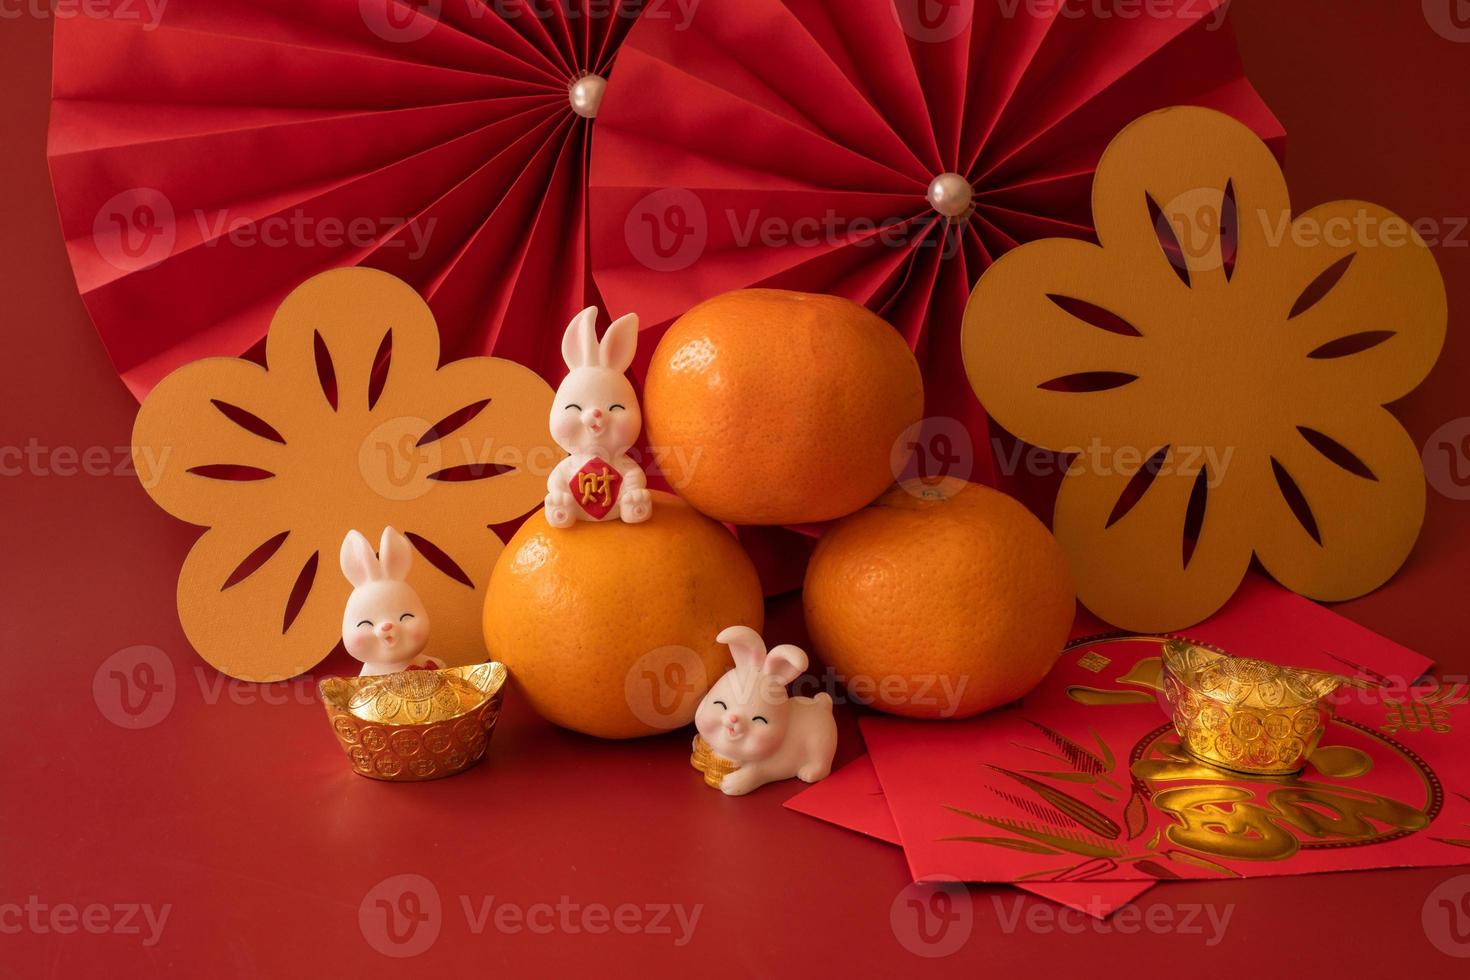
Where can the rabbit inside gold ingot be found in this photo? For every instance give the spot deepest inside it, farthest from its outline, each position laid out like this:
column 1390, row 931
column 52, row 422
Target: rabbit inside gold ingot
column 1245, row 715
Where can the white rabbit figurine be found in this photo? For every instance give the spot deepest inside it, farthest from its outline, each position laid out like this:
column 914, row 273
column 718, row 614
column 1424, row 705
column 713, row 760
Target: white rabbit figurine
column 385, row 624
column 748, row 719
column 596, row 419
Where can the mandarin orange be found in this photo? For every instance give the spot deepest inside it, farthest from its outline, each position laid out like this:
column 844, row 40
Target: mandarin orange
column 774, row 407
column 609, row 628
column 941, row 600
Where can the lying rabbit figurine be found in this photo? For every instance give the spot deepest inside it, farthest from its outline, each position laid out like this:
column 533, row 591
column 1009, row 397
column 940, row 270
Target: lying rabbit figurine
column 596, row 419
column 748, row 719
column 385, row 624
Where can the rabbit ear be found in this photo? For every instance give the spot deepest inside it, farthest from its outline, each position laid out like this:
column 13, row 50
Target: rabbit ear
column 747, row 648
column 619, row 344
column 579, row 343
column 785, row 663
column 359, row 563
column 395, row 554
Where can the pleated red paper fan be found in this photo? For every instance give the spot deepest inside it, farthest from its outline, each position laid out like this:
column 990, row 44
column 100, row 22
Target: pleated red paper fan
column 207, row 163
column 792, row 143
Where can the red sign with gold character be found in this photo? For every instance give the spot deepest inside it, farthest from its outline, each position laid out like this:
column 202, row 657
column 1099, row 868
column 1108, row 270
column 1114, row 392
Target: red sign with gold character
column 595, row 488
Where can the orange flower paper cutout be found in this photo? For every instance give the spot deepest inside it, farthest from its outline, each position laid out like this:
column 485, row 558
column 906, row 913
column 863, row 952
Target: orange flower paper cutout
column 1215, row 356
column 352, row 424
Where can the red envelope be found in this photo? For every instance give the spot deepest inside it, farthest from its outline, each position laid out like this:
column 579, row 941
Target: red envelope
column 852, row 797
column 1086, row 779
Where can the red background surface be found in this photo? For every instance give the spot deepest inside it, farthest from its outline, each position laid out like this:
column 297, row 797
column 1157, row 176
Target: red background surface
column 245, row 820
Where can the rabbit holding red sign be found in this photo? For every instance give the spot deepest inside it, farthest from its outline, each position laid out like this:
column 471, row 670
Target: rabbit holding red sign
column 596, row 419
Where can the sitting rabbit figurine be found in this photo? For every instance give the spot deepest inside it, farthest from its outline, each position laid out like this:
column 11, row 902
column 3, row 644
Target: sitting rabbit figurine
column 748, row 719
column 596, row 419
column 385, row 624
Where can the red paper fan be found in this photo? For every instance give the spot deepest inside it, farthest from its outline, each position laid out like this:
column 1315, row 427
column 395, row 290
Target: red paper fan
column 794, row 144
column 207, row 163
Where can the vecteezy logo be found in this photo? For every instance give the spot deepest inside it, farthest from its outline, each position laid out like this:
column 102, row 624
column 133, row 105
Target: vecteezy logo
column 401, row 916
column 397, row 456
column 934, row 21
column 667, row 231
column 929, row 449
column 400, row 21
column 135, row 687
column 1447, row 459
column 1203, row 224
column 663, row 687
column 932, row 919
column 1446, row 917
column 135, row 229
column 1449, row 18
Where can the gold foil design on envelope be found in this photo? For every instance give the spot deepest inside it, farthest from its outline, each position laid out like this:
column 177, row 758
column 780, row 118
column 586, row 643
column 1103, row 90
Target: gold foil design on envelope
column 1188, row 810
column 417, row 724
column 1425, row 711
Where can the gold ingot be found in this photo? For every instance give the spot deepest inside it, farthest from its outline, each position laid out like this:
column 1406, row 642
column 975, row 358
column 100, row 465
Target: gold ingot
column 1213, row 715
column 1245, row 715
column 1278, row 725
column 1199, row 741
column 1230, row 748
column 1246, row 725
column 416, row 724
column 714, row 767
column 1261, row 754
